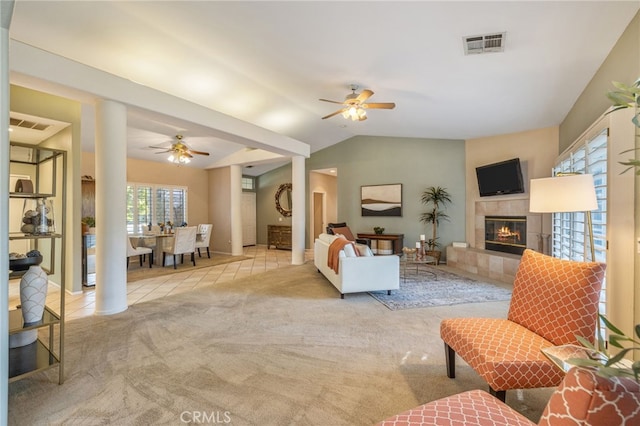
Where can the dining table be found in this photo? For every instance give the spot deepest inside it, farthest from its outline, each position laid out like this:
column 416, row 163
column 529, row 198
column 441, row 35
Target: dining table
column 156, row 241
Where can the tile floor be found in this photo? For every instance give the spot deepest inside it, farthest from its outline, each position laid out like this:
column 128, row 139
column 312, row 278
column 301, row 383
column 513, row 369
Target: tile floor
column 81, row 305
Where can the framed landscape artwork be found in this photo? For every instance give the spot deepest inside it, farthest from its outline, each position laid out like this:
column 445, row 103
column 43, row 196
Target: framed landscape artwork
column 381, row 200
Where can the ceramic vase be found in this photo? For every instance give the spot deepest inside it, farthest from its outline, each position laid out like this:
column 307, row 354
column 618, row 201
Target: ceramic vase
column 33, row 293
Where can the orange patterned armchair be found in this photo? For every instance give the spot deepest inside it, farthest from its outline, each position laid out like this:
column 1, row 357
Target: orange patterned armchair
column 583, row 398
column 553, row 301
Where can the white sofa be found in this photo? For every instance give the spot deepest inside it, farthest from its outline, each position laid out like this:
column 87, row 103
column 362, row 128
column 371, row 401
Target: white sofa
column 357, row 273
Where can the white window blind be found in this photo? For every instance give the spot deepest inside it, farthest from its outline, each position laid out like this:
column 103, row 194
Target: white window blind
column 570, row 239
column 150, row 204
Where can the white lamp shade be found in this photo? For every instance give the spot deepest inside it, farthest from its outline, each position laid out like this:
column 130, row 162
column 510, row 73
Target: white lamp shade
column 570, row 193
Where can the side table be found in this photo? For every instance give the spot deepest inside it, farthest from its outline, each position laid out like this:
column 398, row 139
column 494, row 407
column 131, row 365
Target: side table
column 384, row 244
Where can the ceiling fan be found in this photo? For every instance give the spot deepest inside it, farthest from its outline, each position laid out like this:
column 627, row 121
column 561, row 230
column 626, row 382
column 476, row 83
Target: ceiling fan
column 354, row 105
column 181, row 153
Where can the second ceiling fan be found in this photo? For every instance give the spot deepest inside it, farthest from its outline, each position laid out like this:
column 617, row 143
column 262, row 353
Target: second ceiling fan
column 354, row 105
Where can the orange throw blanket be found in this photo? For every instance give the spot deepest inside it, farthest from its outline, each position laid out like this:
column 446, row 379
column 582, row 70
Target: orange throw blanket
column 333, row 260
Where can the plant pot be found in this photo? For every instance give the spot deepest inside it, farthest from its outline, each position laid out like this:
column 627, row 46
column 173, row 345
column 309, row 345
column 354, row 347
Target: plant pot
column 435, row 254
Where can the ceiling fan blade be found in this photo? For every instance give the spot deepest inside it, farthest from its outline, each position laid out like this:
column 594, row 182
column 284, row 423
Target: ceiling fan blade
column 379, row 105
column 191, row 151
column 333, row 102
column 159, row 147
column 340, row 111
column 162, row 152
column 366, row 94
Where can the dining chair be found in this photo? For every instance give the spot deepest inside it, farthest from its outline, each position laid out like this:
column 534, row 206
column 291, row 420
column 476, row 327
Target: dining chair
column 138, row 251
column 149, row 235
column 203, row 238
column 184, row 242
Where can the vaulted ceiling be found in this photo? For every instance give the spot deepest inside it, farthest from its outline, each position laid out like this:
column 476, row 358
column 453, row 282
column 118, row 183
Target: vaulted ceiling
column 268, row 63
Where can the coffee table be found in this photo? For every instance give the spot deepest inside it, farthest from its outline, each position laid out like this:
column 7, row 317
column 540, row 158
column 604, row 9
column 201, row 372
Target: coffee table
column 411, row 262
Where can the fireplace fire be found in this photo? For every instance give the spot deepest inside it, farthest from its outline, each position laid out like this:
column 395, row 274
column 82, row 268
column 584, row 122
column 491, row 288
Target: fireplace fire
column 507, row 234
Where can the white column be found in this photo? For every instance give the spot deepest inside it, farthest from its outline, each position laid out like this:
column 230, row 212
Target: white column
column 235, row 187
column 111, row 205
column 6, row 12
column 298, row 210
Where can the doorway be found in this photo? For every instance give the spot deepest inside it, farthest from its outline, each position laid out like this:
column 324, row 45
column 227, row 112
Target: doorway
column 319, row 209
column 248, row 211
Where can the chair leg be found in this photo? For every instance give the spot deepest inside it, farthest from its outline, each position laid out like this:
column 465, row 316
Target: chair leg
column 182, row 258
column 150, row 259
column 388, row 292
column 450, row 358
column 127, row 263
column 199, row 255
column 141, row 260
column 193, row 258
column 208, row 254
column 175, row 261
column 501, row 395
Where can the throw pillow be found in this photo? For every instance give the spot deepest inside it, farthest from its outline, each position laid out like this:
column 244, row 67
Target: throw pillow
column 364, row 250
column 344, row 231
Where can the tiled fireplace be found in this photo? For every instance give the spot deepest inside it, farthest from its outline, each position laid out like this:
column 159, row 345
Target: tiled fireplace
column 480, row 258
column 507, row 234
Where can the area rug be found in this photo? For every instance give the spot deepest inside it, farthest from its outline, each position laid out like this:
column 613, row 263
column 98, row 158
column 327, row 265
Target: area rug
column 437, row 287
column 136, row 272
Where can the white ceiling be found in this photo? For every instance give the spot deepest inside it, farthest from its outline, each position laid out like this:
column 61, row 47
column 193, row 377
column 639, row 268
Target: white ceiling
column 268, row 63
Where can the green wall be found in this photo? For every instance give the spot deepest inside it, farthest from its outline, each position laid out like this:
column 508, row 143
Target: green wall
column 366, row 160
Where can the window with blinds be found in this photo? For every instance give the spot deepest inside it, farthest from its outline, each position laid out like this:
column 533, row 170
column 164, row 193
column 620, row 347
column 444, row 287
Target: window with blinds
column 149, row 204
column 570, row 238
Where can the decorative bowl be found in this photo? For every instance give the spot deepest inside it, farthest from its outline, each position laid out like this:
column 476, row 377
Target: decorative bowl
column 24, row 263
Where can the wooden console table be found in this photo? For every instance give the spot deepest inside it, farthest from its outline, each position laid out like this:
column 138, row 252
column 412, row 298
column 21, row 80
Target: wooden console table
column 279, row 236
column 385, row 243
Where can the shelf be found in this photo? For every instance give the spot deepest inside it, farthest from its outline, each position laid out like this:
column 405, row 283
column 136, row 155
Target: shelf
column 23, row 236
column 47, row 170
column 29, row 195
column 30, row 359
column 16, row 322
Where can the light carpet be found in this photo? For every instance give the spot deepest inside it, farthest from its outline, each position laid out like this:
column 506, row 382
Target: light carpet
column 137, row 272
column 278, row 348
column 434, row 286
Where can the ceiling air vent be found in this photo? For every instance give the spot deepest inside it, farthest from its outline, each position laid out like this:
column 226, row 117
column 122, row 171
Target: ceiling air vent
column 27, row 124
column 484, row 43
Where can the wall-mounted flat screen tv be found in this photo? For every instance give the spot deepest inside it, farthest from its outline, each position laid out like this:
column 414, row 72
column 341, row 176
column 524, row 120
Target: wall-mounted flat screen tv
column 500, row 178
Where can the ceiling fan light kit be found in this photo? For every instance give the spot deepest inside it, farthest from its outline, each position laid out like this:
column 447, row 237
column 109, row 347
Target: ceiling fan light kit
column 181, row 153
column 354, row 105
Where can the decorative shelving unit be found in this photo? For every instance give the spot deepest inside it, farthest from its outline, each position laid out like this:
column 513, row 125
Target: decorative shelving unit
column 47, row 169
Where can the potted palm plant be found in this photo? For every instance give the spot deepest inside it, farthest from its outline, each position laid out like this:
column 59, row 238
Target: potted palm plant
column 435, row 198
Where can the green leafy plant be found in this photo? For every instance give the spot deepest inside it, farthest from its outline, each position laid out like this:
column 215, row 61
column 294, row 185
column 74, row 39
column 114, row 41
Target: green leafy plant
column 436, row 198
column 627, row 97
column 603, row 362
column 378, row 230
column 90, row 221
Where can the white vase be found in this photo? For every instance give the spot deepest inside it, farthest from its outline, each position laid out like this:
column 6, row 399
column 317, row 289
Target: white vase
column 33, row 293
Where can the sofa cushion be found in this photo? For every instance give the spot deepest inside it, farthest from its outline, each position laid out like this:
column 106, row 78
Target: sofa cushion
column 327, row 238
column 364, row 250
column 350, row 251
column 344, row 231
